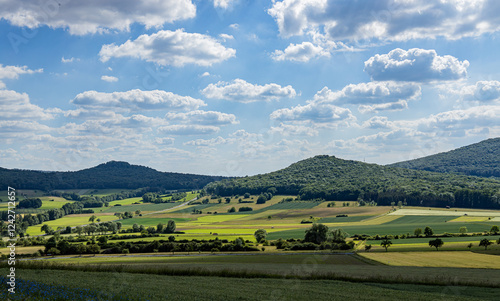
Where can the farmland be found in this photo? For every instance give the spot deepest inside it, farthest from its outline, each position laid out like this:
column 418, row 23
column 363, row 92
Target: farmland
column 407, row 262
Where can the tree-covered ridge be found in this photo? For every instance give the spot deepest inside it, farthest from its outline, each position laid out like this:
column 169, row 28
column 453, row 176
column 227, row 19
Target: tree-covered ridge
column 479, row 159
column 336, row 179
column 112, row 174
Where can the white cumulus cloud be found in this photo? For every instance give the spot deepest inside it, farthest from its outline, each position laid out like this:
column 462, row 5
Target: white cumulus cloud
column 417, row 65
column 176, row 48
column 300, row 52
column 241, row 91
column 386, row 20
column 136, row 100
column 95, row 16
column 188, row 129
column 13, row 72
column 203, row 117
column 109, row 79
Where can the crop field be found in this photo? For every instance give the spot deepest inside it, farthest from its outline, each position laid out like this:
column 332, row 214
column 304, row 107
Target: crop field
column 130, row 286
column 457, row 259
column 143, row 207
column 128, row 201
column 149, row 221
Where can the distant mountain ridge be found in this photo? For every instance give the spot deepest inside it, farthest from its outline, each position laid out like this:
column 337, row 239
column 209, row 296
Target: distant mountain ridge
column 113, row 174
column 479, row 159
column 335, row 179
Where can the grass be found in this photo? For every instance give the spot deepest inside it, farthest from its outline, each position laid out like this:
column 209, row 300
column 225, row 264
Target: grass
column 68, row 220
column 209, row 219
column 454, row 259
column 160, row 287
column 128, row 201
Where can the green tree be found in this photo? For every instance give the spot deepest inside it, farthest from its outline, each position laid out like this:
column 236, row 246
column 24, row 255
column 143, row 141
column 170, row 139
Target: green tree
column 260, row 235
column 159, row 228
column 368, row 247
column 338, row 235
column 463, row 230
column 316, row 234
column 386, row 243
column 469, row 246
column 92, row 218
column 485, row 243
column 428, row 231
column 495, row 229
column 47, row 229
column 436, row 243
column 94, row 248
column 261, row 199
column 79, row 230
column 137, row 212
column 231, row 210
column 417, row 232
column 170, row 226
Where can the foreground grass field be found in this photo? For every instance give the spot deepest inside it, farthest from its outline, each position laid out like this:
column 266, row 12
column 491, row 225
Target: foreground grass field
column 127, row 286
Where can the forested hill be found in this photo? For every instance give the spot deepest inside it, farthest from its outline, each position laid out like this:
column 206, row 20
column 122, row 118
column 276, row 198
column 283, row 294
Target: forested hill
column 331, row 178
column 479, row 159
column 113, row 174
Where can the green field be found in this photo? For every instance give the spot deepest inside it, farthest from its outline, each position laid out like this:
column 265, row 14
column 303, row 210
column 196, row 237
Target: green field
column 145, row 207
column 131, row 286
column 69, row 220
column 148, row 221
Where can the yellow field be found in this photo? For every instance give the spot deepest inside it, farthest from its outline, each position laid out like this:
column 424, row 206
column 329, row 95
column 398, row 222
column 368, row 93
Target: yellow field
column 22, row 250
column 468, row 219
column 454, row 259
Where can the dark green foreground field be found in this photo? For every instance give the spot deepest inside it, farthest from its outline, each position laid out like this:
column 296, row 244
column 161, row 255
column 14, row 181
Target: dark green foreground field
column 311, row 276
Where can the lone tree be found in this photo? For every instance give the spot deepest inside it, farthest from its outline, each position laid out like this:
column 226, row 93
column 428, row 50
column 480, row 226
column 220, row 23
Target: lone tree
column 428, row 231
column 485, row 243
column 92, row 218
column 463, row 230
column 260, row 235
column 417, row 232
column 170, row 227
column 495, row 229
column 386, row 243
column 338, row 235
column 368, row 247
column 436, row 243
column 316, row 234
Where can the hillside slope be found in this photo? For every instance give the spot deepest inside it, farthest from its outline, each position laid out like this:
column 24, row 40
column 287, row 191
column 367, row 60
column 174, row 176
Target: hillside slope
column 479, row 159
column 112, row 174
column 336, row 179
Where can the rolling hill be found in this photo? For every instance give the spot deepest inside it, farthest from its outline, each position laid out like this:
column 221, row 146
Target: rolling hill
column 113, row 174
column 332, row 178
column 479, row 159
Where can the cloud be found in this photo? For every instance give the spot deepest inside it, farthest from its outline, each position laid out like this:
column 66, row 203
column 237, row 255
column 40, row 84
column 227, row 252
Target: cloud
column 70, row 60
column 164, row 141
column 223, row 3
column 378, row 122
column 205, row 74
column 456, row 122
column 208, row 142
column 203, row 117
column 483, row 91
column 176, row 48
column 417, row 65
column 13, row 72
column 95, row 16
column 188, row 129
column 300, row 52
column 136, row 100
column 315, row 113
column 225, row 37
column 109, row 79
column 294, row 130
column 241, row 91
column 17, row 106
column 386, row 20
column 372, row 96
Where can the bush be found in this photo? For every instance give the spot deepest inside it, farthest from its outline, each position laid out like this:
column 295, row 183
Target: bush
column 244, row 209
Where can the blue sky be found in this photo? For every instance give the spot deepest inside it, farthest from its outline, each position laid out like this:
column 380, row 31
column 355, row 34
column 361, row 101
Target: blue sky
column 236, row 87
